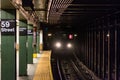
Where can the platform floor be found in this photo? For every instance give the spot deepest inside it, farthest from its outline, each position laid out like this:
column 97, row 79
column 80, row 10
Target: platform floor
column 40, row 69
column 43, row 69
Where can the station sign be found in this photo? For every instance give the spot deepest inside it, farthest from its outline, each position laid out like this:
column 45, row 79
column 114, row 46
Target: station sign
column 7, row 26
column 30, row 32
column 23, row 31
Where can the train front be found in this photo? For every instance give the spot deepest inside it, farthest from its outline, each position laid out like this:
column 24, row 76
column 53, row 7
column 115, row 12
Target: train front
column 63, row 46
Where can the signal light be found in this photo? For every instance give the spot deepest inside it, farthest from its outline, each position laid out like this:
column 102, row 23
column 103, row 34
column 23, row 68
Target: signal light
column 70, row 36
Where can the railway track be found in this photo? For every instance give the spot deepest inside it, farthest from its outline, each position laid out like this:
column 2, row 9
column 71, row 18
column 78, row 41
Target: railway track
column 69, row 72
column 71, row 69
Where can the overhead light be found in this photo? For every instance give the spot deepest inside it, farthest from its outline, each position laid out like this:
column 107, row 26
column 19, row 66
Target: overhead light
column 49, row 34
column 108, row 35
column 75, row 35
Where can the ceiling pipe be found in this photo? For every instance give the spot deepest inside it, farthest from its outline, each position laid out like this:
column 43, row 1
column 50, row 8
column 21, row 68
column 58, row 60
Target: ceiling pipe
column 40, row 9
column 48, row 11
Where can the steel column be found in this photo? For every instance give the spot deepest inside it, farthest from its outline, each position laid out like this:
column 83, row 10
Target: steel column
column 95, row 52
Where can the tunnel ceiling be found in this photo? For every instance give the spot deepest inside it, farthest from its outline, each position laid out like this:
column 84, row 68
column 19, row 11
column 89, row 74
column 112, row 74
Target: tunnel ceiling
column 72, row 14
column 76, row 13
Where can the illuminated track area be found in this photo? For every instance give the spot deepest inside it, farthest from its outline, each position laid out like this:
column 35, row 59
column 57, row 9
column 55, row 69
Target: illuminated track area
column 71, row 69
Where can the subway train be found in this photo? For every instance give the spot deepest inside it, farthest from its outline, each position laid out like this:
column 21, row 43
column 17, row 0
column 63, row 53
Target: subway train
column 61, row 42
column 62, row 46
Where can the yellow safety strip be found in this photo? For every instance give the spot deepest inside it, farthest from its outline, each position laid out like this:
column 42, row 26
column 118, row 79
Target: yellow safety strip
column 43, row 70
column 34, row 55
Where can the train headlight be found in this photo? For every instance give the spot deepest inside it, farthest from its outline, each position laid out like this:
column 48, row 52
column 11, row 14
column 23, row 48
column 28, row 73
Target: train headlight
column 69, row 45
column 58, row 44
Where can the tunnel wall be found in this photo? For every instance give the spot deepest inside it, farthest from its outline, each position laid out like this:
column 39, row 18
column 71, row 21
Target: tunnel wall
column 99, row 48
